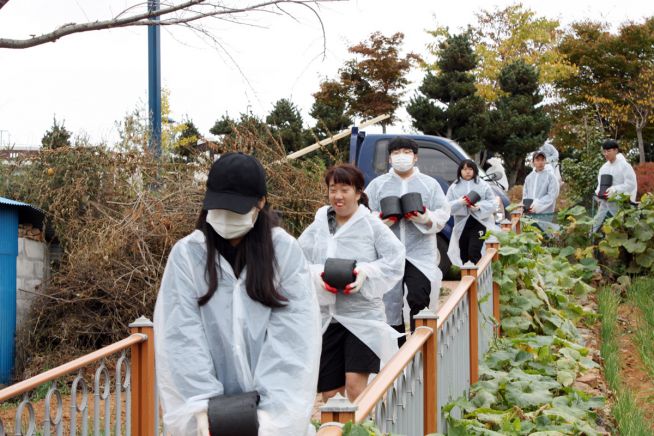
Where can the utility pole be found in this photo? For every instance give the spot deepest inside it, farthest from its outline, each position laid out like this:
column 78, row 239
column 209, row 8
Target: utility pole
column 154, row 80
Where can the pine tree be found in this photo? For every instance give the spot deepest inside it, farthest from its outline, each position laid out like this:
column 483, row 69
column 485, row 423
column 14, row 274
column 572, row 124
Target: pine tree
column 56, row 137
column 448, row 104
column 517, row 126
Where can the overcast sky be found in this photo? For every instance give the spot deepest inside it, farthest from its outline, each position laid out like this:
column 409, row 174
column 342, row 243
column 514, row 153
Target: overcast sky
column 91, row 80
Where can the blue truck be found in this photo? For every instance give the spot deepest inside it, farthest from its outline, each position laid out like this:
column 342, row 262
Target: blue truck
column 438, row 157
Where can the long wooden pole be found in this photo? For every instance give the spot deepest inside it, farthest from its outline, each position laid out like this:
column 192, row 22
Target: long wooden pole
column 341, row 134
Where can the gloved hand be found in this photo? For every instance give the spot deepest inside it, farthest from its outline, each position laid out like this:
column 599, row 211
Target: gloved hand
column 356, row 285
column 610, row 191
column 473, row 207
column 391, row 220
column 327, row 286
column 202, row 421
column 417, row 217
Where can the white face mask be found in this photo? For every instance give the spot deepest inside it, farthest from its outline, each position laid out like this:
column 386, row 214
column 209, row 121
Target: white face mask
column 402, row 162
column 230, row 224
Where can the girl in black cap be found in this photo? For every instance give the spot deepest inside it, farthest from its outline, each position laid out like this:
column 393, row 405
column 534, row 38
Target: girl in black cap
column 236, row 314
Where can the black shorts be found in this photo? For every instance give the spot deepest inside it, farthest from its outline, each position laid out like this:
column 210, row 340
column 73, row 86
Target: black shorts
column 343, row 352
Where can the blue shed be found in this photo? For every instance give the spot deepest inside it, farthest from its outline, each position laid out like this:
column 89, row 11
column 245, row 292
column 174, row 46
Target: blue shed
column 12, row 213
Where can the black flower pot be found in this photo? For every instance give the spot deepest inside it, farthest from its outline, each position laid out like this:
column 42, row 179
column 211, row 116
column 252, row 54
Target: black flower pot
column 339, row 273
column 412, row 202
column 234, row 415
column 526, row 203
column 472, row 198
column 606, row 181
column 391, row 207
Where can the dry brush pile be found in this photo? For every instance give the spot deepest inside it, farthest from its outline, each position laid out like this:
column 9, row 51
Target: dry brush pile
column 116, row 217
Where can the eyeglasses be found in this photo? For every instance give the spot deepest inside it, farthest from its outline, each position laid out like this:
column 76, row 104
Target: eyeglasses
column 399, row 151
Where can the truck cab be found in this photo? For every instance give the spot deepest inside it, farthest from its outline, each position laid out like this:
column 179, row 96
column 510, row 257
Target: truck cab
column 438, row 157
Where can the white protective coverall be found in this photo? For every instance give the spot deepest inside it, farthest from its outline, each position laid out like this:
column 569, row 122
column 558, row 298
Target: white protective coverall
column 552, row 156
column 366, row 239
column 496, row 167
column 234, row 344
column 461, row 213
column 624, row 182
column 420, row 241
column 543, row 188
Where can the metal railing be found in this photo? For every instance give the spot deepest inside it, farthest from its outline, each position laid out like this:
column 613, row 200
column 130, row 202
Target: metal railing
column 131, row 392
column 437, row 364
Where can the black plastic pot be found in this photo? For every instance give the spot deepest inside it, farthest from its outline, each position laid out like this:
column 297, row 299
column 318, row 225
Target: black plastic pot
column 391, row 207
column 339, row 273
column 606, row 181
column 234, row 415
column 526, row 203
column 472, row 198
column 412, row 202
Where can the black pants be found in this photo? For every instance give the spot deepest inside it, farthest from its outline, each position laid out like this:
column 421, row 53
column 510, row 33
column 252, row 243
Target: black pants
column 470, row 242
column 418, row 292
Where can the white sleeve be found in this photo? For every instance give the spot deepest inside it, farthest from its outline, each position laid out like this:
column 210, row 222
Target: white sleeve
column 186, row 378
column 307, row 241
column 549, row 199
column 286, row 373
column 488, row 204
column 438, row 209
column 373, row 196
column 388, row 269
column 457, row 208
column 630, row 184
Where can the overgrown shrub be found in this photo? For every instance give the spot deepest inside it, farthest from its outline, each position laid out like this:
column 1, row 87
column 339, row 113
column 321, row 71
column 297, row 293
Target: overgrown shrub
column 116, row 216
column 579, row 172
column 645, row 177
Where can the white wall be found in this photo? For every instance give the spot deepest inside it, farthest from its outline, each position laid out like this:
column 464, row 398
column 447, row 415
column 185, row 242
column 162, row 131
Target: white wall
column 31, row 269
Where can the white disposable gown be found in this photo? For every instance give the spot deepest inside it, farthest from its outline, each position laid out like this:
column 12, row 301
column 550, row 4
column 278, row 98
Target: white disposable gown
column 624, row 182
column 419, row 240
column 543, row 188
column 234, row 344
column 366, row 239
column 552, row 156
column 461, row 213
column 497, row 168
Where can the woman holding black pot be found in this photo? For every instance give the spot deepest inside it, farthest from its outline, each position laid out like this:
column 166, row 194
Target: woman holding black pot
column 355, row 334
column 473, row 207
column 236, row 322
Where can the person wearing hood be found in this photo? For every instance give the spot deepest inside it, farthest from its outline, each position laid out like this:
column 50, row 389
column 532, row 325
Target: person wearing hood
column 552, row 156
column 236, row 322
column 541, row 188
column 356, row 338
column 620, row 178
column 416, row 230
column 473, row 205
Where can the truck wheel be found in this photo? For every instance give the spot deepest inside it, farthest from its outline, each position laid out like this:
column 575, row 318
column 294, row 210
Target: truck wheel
column 445, row 264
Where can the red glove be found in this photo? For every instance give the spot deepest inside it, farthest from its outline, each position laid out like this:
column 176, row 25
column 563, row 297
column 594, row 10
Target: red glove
column 391, row 220
column 327, row 286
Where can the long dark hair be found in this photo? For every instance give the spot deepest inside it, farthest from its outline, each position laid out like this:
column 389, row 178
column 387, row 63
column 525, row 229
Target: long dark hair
column 255, row 251
column 348, row 174
column 470, row 164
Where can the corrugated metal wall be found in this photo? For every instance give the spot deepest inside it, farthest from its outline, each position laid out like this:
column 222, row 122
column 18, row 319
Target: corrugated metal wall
column 8, row 254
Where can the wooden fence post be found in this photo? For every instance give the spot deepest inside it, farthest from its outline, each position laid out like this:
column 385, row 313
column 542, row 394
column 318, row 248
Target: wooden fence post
column 144, row 407
column 492, row 242
column 505, row 225
column 515, row 220
column 427, row 318
column 338, row 409
column 469, row 269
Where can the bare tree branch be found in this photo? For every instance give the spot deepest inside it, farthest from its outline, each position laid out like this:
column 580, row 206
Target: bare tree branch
column 169, row 15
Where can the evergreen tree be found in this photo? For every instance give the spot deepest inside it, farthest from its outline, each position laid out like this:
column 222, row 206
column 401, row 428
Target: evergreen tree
column 517, row 126
column 188, row 140
column 222, row 126
column 448, row 104
column 56, row 137
column 285, row 123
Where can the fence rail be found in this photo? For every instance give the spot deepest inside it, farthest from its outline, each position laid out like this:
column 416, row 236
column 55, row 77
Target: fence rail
column 132, row 387
column 437, row 364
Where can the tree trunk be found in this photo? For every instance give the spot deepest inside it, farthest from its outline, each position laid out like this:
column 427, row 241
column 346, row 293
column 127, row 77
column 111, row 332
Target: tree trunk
column 514, row 170
column 641, row 145
column 384, row 128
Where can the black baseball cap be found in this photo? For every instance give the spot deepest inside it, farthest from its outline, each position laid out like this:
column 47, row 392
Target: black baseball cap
column 236, row 182
column 609, row 144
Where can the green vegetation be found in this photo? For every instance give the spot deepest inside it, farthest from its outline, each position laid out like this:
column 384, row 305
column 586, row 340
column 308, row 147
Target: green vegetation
column 630, row 419
column 640, row 297
column 526, row 378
